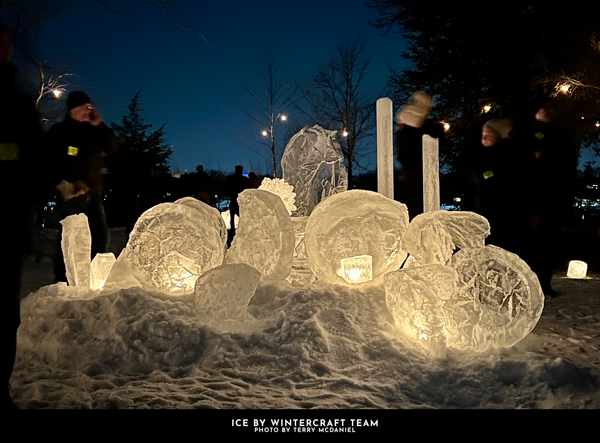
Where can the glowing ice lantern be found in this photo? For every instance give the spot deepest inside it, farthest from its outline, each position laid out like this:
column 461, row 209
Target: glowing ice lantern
column 358, row 269
column 100, row 268
column 577, row 269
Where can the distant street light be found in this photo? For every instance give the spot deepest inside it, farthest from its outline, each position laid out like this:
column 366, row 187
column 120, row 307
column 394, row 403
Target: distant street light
column 487, row 108
column 271, row 131
column 57, row 93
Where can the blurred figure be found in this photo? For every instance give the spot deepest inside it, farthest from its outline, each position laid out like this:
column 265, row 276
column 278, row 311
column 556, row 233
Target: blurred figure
column 498, row 179
column 413, row 123
column 77, row 148
column 202, row 185
column 21, row 162
column 552, row 171
column 235, row 184
column 254, row 180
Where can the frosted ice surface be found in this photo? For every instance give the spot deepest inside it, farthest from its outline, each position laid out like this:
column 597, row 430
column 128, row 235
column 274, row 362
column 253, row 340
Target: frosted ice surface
column 224, row 292
column 351, row 224
column 76, row 244
column 433, row 237
column 415, row 297
column 313, row 164
column 284, row 190
column 431, row 174
column 121, row 276
column 100, row 269
column 171, row 245
column 265, row 236
column 498, row 302
column 212, row 215
column 300, row 274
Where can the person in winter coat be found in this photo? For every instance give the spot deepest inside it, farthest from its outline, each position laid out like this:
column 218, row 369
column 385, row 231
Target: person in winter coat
column 77, row 148
column 413, row 123
column 21, row 161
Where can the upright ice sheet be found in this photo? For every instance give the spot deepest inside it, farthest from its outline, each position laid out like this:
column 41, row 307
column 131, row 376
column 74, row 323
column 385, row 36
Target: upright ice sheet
column 434, row 236
column 265, row 236
column 313, row 164
column 223, row 293
column 351, row 224
column 431, row 174
column 76, row 245
column 415, row 297
column 498, row 302
column 100, row 269
column 171, row 245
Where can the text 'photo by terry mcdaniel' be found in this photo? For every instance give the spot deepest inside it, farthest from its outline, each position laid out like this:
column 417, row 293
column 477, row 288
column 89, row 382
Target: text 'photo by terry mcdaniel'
column 305, row 425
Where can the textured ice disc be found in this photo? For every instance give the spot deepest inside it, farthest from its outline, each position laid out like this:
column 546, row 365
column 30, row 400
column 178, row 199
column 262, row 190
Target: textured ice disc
column 76, row 244
column 265, row 236
column 351, row 224
column 212, row 215
column 498, row 302
column 224, row 292
column 433, row 236
column 415, row 298
column 171, row 245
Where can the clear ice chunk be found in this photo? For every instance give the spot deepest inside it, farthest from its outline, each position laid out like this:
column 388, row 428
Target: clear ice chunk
column 121, row 276
column 76, row 244
column 351, row 224
column 433, row 237
column 313, row 164
column 100, row 269
column 224, row 293
column 171, row 245
column 265, row 236
column 415, row 297
column 498, row 302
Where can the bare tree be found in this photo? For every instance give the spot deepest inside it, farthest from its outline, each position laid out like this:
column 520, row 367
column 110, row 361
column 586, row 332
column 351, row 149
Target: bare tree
column 266, row 103
column 339, row 97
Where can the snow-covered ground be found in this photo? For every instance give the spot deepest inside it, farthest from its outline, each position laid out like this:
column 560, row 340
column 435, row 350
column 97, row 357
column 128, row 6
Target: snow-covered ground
column 323, row 347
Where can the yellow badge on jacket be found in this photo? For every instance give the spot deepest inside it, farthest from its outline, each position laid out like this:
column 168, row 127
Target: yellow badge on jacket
column 488, row 174
column 9, row 151
column 73, row 151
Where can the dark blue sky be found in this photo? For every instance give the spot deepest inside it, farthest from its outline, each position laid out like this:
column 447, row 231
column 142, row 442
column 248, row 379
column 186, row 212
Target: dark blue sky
column 190, row 85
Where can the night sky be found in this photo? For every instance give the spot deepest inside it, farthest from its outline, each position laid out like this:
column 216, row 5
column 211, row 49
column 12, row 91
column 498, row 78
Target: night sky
column 190, row 84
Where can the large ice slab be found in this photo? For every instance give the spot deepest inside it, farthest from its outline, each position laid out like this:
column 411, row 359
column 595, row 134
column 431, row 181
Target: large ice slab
column 76, row 244
column 313, row 164
column 498, row 302
column 416, row 297
column 210, row 214
column 223, row 293
column 171, row 245
column 433, row 237
column 355, row 223
column 265, row 236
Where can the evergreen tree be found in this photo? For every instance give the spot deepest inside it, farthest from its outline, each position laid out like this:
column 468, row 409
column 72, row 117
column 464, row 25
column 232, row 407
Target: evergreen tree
column 143, row 154
column 498, row 60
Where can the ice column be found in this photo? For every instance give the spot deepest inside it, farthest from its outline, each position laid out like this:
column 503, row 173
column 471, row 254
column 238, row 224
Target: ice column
column 431, row 174
column 385, row 147
column 76, row 245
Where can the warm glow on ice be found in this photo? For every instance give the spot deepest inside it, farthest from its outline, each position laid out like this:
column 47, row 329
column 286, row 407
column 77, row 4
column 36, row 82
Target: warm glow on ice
column 577, row 269
column 357, row 269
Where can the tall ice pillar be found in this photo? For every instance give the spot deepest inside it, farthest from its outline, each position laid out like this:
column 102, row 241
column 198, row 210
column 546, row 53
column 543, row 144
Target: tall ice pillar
column 385, row 147
column 431, row 174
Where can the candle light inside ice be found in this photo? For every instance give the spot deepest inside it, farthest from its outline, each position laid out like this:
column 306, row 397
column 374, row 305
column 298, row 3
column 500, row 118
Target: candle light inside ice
column 358, row 269
column 577, row 269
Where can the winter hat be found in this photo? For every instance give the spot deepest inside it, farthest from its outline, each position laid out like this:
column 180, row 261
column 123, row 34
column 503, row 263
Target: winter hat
column 500, row 126
column 77, row 98
column 416, row 112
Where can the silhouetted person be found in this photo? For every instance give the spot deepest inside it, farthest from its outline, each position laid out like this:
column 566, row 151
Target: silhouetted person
column 498, row 181
column 236, row 183
column 412, row 125
column 552, row 169
column 77, row 147
column 21, row 162
column 202, row 185
column 254, row 180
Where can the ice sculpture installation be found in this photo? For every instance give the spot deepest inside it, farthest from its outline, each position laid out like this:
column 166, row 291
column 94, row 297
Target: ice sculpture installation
column 433, row 237
column 313, row 164
column 76, row 244
column 498, row 302
column 172, row 244
column 265, row 236
column 351, row 224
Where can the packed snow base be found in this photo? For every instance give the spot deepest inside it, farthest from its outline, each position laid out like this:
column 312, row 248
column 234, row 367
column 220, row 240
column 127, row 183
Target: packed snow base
column 325, row 347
